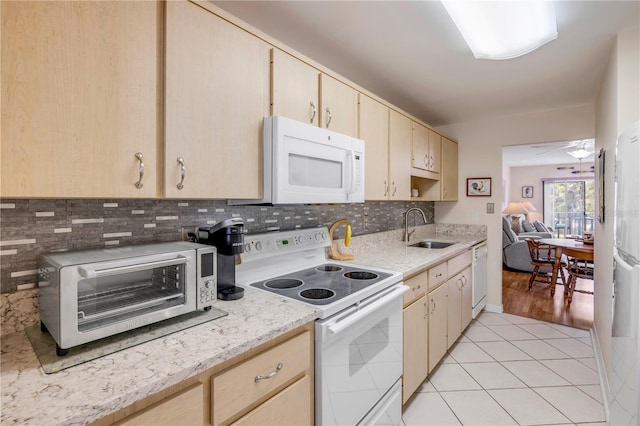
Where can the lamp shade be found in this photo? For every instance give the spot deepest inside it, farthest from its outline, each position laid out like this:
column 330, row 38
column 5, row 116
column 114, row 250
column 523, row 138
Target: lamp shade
column 515, row 208
column 527, row 205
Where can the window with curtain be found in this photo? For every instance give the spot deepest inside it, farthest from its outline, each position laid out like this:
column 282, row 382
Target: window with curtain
column 569, row 206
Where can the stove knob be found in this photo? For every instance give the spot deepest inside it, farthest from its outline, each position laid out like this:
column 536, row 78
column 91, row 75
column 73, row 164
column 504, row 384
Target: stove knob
column 258, row 245
column 247, row 248
column 319, row 236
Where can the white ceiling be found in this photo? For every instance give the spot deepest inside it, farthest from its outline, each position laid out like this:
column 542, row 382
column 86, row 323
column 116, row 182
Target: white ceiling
column 542, row 154
column 411, row 54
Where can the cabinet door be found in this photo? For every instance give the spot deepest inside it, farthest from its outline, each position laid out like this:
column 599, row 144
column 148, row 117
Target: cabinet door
column 434, row 152
column 295, row 87
column 454, row 307
column 437, row 305
column 80, row 97
column 217, row 93
column 449, row 170
column 414, row 355
column 292, row 406
column 399, row 156
column 419, row 147
column 374, row 130
column 466, row 305
column 338, row 106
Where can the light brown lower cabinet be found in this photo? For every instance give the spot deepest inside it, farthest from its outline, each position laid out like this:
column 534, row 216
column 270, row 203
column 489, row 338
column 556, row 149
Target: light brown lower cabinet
column 437, row 304
column 414, row 354
column 268, row 385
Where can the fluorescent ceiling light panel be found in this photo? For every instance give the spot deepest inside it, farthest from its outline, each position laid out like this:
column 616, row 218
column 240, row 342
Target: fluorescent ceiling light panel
column 503, row 29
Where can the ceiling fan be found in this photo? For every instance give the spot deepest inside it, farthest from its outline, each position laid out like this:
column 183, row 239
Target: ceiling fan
column 579, row 149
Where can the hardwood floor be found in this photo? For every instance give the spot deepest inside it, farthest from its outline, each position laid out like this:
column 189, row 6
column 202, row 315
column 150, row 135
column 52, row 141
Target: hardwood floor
column 537, row 303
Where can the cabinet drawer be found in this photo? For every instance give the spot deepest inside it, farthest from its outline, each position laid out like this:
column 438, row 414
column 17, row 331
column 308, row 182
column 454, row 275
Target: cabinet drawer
column 437, row 275
column 292, row 406
column 459, row 262
column 417, row 287
column 236, row 388
column 185, row 408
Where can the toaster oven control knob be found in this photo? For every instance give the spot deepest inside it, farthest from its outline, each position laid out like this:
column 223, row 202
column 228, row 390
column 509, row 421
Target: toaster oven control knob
column 208, row 284
column 258, row 245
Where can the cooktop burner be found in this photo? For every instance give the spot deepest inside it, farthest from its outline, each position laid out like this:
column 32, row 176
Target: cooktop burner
column 322, row 284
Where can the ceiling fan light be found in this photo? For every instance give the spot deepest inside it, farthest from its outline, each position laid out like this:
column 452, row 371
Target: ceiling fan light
column 503, row 29
column 580, row 153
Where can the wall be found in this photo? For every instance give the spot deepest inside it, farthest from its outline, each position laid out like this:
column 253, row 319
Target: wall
column 30, row 227
column 533, row 175
column 480, row 155
column 617, row 106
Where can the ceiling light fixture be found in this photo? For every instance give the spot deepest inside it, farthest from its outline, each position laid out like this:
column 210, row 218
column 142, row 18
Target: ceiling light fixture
column 503, row 29
column 581, row 152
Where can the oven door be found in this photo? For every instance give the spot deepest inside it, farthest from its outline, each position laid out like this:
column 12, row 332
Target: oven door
column 104, row 298
column 359, row 359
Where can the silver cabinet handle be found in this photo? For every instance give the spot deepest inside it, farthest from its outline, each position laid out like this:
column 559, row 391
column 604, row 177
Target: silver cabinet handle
column 386, row 188
column 393, row 194
column 183, row 173
column 313, row 111
column 329, row 120
column 425, row 310
column 260, row 377
column 139, row 183
column 433, row 305
column 426, row 160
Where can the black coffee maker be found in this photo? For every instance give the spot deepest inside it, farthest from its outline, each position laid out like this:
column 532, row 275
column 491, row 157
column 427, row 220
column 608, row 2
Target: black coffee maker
column 228, row 238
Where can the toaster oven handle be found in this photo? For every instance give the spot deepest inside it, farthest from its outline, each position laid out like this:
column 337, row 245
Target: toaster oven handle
column 97, row 273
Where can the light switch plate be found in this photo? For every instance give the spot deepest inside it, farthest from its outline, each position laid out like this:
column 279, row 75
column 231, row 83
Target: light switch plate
column 490, row 208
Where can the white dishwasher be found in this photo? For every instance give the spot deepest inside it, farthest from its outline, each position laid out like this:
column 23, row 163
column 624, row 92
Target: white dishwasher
column 479, row 276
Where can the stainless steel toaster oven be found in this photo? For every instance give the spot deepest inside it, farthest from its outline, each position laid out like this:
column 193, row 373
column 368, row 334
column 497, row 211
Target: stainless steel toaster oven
column 92, row 294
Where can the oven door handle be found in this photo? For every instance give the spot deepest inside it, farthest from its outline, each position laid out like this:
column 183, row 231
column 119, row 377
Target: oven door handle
column 97, row 273
column 370, row 308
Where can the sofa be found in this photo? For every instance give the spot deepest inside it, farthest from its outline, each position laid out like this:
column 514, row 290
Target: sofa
column 515, row 252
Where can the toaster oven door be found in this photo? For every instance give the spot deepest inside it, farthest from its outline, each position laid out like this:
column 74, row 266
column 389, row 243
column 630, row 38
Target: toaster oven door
column 112, row 297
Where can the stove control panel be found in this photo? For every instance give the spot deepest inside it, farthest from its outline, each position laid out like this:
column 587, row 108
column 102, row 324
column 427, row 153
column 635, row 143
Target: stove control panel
column 282, row 242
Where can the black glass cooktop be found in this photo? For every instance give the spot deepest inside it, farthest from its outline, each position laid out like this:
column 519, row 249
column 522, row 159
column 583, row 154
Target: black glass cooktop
column 323, row 284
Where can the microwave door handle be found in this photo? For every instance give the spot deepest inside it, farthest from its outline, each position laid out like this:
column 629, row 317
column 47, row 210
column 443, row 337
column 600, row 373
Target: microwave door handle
column 97, row 273
column 352, row 183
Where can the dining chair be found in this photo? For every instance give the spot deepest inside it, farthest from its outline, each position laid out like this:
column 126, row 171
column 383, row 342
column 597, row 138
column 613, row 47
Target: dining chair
column 579, row 265
column 546, row 259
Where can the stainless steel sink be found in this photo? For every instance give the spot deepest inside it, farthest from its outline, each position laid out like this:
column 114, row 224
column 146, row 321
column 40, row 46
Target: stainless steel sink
column 432, row 244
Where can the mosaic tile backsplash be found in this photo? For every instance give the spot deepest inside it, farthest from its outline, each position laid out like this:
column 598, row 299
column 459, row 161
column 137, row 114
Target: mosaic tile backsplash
column 29, row 228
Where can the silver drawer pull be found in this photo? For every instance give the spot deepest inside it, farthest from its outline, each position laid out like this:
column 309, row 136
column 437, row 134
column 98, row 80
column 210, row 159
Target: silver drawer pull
column 260, row 377
column 183, row 172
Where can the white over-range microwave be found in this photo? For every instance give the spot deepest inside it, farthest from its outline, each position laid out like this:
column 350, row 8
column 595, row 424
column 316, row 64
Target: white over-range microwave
column 306, row 164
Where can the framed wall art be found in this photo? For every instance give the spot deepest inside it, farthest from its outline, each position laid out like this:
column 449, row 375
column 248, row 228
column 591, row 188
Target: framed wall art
column 527, row 192
column 479, row 187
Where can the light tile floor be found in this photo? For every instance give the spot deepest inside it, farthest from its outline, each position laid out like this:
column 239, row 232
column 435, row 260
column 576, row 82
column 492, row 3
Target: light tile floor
column 511, row 370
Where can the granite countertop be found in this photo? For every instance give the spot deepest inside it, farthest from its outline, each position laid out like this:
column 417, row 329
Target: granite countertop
column 90, row 391
column 387, row 250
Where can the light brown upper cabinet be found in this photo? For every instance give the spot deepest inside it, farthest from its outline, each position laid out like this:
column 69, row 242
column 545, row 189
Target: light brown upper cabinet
column 81, row 91
column 425, row 152
column 374, row 130
column 338, row 106
column 449, row 172
column 399, row 156
column 295, row 88
column 217, row 94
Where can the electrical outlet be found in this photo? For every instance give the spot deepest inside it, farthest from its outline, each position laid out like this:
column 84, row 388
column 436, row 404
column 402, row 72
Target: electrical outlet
column 188, row 233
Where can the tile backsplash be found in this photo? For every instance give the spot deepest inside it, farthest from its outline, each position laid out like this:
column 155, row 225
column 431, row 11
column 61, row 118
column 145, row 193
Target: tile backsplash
column 31, row 227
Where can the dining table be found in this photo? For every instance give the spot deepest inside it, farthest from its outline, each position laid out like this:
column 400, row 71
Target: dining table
column 565, row 243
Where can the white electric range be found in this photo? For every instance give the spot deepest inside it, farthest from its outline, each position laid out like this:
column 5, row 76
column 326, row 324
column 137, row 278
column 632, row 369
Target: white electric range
column 358, row 336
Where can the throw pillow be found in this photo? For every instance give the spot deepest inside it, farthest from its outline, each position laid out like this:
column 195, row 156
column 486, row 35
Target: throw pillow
column 528, row 226
column 540, row 227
